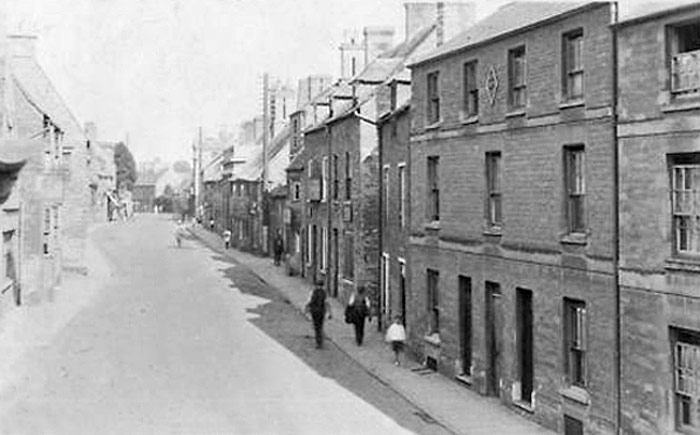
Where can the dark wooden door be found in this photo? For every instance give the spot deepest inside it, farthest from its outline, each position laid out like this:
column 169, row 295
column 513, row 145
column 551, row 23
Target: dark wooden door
column 334, row 252
column 525, row 343
column 465, row 323
column 493, row 325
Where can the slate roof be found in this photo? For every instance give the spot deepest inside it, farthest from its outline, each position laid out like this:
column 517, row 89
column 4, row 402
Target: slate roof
column 252, row 169
column 508, row 18
column 36, row 86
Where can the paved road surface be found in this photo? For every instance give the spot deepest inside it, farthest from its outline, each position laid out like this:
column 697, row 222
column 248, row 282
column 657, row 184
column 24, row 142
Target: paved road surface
column 180, row 341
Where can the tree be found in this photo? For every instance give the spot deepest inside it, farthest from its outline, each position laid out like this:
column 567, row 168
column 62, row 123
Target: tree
column 125, row 165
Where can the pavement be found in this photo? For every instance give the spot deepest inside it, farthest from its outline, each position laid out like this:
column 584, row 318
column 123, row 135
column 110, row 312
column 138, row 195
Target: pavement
column 452, row 405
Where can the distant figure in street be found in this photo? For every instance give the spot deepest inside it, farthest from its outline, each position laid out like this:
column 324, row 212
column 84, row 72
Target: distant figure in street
column 396, row 335
column 227, row 239
column 357, row 311
column 179, row 234
column 318, row 307
column 211, row 224
column 278, row 248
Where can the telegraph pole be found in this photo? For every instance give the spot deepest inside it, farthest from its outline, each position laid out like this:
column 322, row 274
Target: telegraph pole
column 266, row 127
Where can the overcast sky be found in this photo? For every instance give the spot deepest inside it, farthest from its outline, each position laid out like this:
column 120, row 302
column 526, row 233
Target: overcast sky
column 159, row 68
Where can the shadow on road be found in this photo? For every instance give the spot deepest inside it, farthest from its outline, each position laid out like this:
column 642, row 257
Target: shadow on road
column 283, row 322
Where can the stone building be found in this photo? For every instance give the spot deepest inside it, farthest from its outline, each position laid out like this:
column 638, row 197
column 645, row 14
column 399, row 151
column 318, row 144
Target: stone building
column 37, row 112
column 394, row 129
column 511, row 274
column 659, row 212
column 342, row 226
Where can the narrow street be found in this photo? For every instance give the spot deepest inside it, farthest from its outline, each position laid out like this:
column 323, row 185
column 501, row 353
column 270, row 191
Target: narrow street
column 182, row 341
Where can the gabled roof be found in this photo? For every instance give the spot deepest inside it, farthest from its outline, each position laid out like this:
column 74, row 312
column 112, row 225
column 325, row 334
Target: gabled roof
column 509, row 18
column 36, row 86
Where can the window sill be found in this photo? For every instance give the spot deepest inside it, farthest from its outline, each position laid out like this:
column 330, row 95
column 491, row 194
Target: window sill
column 433, row 126
column 433, row 225
column 433, row 339
column 683, row 265
column 678, row 105
column 464, row 379
column 574, row 239
column 495, row 231
column 569, row 104
column 576, row 394
column 515, row 113
column 525, row 406
column 473, row 119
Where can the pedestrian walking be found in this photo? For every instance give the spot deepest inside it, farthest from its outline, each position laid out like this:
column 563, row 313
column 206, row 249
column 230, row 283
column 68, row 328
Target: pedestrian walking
column 227, row 238
column 179, row 234
column 211, row 224
column 278, row 248
column 396, row 335
column 318, row 307
column 357, row 310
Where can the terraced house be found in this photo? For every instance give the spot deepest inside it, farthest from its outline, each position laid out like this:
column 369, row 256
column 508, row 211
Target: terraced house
column 512, row 244
column 659, row 146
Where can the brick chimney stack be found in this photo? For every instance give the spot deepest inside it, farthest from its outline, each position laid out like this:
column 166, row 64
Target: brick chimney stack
column 377, row 39
column 21, row 45
column 451, row 18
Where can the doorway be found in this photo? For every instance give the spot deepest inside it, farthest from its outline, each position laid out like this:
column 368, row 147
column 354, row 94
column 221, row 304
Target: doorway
column 334, row 253
column 465, row 323
column 493, row 326
column 402, row 290
column 524, row 342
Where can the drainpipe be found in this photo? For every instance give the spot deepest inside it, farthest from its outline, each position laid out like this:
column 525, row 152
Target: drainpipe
column 380, row 170
column 616, row 224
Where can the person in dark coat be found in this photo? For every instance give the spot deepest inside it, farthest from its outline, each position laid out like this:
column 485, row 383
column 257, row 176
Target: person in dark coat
column 318, row 307
column 359, row 307
column 278, row 248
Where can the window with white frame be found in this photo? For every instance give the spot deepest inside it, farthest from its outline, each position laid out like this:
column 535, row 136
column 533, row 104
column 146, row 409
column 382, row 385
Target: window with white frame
column 433, row 97
column 574, row 171
column 296, row 191
column 386, row 184
column 385, row 283
column 402, row 195
column 575, row 341
column 517, row 78
column 470, row 101
column 324, row 179
column 686, row 370
column 572, row 62
column 324, row 248
column 309, row 244
column 685, row 197
column 493, row 189
column 433, row 174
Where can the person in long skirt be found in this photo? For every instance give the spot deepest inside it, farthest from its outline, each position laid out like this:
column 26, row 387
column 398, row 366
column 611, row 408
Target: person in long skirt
column 396, row 335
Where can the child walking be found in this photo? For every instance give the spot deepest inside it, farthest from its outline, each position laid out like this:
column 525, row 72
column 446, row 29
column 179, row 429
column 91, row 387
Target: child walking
column 396, row 335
